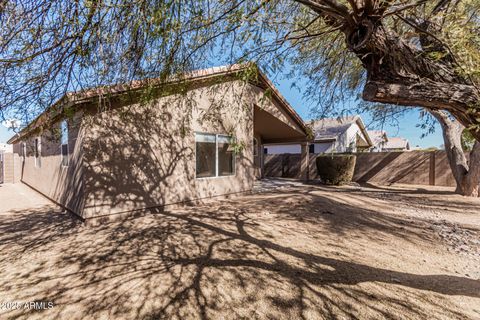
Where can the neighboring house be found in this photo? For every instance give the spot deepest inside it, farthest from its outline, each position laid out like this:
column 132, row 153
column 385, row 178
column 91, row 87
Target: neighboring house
column 397, row 144
column 379, row 140
column 6, row 148
column 332, row 135
column 199, row 136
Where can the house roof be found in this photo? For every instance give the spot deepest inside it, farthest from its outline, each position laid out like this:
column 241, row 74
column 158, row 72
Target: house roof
column 378, row 136
column 397, row 143
column 75, row 98
column 329, row 129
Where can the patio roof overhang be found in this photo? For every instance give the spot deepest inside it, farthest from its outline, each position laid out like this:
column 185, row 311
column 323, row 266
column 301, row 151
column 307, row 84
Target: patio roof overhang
column 275, row 131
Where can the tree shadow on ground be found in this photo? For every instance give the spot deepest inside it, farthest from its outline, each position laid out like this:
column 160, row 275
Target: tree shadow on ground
column 260, row 256
column 408, row 195
column 434, row 199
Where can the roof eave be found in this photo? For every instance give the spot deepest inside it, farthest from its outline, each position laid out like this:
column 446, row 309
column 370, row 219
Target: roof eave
column 361, row 125
column 283, row 101
column 87, row 95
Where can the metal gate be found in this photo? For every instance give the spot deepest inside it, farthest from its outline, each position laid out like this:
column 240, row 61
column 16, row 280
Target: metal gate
column 1, row 166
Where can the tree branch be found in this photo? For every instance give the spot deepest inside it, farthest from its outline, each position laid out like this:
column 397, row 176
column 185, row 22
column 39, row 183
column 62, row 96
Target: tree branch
column 456, row 98
column 428, row 95
column 398, row 9
column 333, row 12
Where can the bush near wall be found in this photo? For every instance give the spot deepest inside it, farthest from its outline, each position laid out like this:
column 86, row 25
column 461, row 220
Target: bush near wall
column 336, row 169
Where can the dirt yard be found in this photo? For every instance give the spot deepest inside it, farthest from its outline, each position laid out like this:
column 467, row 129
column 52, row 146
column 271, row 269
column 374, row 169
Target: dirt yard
column 288, row 251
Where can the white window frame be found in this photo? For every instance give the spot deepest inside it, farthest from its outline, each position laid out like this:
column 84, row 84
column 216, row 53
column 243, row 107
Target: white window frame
column 216, row 176
column 62, row 132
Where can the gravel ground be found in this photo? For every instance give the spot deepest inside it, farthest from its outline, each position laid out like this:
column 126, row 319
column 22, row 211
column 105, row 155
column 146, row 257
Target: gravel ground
column 287, row 251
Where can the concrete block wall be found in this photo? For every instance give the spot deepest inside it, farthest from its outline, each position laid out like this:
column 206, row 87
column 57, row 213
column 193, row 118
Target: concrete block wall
column 8, row 168
column 412, row 167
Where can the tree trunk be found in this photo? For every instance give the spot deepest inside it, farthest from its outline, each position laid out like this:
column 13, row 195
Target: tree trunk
column 473, row 185
column 466, row 174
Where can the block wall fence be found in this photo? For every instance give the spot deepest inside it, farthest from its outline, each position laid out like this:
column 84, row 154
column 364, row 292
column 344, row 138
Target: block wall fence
column 412, row 167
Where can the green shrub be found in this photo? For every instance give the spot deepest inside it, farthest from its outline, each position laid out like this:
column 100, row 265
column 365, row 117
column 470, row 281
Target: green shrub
column 336, row 169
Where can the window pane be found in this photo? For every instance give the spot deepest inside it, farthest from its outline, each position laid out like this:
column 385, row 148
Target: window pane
column 205, row 155
column 65, row 154
column 226, row 156
column 37, row 153
column 64, row 132
column 36, row 148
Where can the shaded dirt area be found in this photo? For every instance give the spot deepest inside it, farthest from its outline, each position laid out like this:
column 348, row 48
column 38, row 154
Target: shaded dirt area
column 288, row 251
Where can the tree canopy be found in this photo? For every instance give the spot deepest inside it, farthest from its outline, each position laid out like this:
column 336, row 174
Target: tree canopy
column 404, row 52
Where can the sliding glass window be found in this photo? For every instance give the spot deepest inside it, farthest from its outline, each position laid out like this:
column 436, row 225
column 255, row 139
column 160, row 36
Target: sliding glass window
column 205, row 155
column 214, row 155
column 64, row 142
column 226, row 156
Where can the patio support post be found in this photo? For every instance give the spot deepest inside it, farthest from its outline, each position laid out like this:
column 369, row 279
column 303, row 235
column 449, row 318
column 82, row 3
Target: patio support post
column 304, row 164
column 262, row 161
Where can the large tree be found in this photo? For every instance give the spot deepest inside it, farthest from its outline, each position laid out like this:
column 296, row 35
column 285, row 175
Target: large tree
column 415, row 53
column 410, row 52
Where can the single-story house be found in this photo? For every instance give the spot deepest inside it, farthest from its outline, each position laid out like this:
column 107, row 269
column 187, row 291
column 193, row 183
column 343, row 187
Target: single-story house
column 151, row 143
column 331, row 135
column 379, row 140
column 397, row 144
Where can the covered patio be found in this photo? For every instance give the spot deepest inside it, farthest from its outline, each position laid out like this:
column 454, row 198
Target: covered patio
column 277, row 126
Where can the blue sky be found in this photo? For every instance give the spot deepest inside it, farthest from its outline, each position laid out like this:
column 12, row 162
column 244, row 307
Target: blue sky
column 4, row 134
column 407, row 123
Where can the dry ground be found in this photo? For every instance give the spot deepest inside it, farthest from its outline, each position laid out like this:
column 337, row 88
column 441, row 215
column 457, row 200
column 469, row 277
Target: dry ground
column 289, row 251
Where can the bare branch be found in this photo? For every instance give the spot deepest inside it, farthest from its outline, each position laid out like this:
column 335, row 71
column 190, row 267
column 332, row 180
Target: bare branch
column 398, row 9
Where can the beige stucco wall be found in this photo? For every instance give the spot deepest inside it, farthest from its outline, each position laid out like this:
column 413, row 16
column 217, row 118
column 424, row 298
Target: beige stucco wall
column 62, row 184
column 143, row 155
column 17, row 168
column 127, row 155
